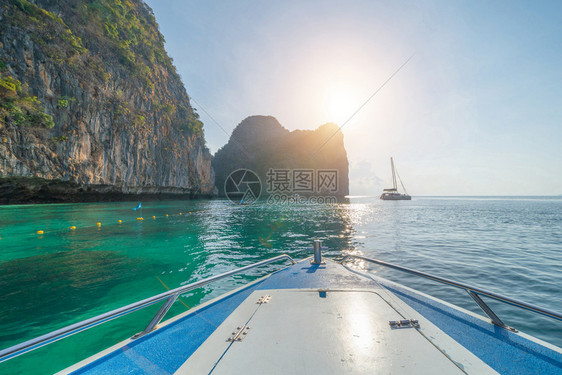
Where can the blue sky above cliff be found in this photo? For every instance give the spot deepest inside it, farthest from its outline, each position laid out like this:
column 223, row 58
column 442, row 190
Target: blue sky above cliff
column 476, row 111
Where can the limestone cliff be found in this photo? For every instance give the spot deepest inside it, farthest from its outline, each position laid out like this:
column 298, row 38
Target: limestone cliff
column 261, row 144
column 91, row 103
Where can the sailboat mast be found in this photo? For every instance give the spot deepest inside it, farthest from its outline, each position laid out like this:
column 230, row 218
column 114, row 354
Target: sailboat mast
column 393, row 174
column 401, row 183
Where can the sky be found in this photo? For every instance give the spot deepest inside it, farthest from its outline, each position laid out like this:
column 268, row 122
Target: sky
column 476, row 109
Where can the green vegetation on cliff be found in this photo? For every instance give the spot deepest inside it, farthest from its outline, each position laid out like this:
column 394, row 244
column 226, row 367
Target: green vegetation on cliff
column 98, row 39
column 18, row 106
column 46, row 29
column 89, row 96
column 136, row 40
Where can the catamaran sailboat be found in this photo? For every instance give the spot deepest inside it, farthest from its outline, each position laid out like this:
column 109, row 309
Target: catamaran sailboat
column 392, row 194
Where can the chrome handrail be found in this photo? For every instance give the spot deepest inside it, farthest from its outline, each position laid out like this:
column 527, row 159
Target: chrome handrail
column 474, row 292
column 170, row 297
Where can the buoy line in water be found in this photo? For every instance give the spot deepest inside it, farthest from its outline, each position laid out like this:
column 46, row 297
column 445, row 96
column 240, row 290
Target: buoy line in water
column 99, row 224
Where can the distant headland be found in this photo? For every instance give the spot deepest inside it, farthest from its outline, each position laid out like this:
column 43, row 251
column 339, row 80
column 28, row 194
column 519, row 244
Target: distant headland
column 302, row 162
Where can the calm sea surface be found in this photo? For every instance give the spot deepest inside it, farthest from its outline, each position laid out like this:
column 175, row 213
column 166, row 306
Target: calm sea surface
column 511, row 246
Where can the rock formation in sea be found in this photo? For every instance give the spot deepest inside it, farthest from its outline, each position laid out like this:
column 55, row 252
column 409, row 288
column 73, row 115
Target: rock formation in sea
column 302, row 162
column 91, row 106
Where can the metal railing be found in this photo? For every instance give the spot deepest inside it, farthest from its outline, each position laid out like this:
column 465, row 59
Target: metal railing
column 170, row 296
column 474, row 292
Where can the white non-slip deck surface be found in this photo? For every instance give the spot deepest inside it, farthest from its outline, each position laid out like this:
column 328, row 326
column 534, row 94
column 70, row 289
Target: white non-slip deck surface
column 345, row 332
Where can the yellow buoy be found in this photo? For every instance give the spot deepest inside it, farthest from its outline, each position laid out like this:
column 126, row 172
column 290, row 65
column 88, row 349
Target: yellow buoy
column 73, row 228
column 166, row 215
column 190, row 212
column 98, row 224
column 39, row 232
column 140, row 218
column 119, row 221
column 180, row 213
column 154, row 217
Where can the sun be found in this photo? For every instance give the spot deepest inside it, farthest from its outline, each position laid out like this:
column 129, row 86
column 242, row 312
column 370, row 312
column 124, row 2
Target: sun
column 339, row 104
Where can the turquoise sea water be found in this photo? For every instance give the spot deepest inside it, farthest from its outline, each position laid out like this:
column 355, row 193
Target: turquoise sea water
column 509, row 245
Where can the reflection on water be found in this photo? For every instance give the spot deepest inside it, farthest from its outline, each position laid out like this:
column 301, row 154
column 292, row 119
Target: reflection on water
column 510, row 246
column 47, row 289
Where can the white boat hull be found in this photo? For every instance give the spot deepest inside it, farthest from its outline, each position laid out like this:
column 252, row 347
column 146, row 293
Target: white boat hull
column 395, row 197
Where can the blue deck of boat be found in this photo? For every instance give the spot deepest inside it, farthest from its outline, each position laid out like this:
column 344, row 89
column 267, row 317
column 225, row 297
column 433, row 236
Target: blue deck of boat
column 166, row 349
